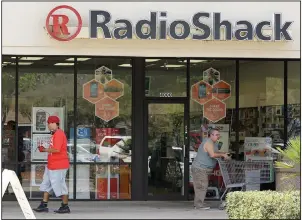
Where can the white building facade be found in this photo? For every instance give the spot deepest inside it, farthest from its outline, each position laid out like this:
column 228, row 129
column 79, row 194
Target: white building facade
column 137, row 86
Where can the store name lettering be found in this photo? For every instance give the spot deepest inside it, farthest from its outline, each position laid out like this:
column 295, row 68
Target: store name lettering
column 156, row 27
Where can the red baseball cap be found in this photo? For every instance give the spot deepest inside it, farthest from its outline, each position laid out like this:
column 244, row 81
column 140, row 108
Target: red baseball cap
column 53, row 119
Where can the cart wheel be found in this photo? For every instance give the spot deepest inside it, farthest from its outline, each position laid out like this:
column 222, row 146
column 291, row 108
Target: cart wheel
column 222, row 206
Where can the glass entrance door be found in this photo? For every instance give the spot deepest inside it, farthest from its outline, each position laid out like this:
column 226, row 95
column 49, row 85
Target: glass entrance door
column 167, row 156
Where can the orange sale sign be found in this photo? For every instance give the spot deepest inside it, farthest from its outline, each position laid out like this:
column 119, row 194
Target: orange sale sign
column 214, row 110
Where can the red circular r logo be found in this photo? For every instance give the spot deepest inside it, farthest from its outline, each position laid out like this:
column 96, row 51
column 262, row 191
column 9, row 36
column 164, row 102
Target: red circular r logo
column 59, row 30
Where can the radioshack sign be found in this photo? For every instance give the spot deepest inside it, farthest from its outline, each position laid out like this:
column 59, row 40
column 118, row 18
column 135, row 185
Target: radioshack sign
column 64, row 23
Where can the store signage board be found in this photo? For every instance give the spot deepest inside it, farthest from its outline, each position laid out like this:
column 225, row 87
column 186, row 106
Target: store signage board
column 40, row 134
column 103, row 91
column 83, row 178
column 211, row 92
column 252, row 176
column 107, row 109
column 39, row 140
column 258, row 148
column 156, row 27
column 40, row 116
column 9, row 176
column 214, row 110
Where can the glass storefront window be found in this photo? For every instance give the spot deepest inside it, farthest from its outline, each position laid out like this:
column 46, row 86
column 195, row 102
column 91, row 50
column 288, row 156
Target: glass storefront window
column 166, row 78
column 8, row 124
column 261, row 104
column 102, row 181
column 46, row 87
column 103, row 128
column 212, row 104
column 212, row 99
column 8, row 120
column 165, row 149
column 294, row 99
column 104, row 105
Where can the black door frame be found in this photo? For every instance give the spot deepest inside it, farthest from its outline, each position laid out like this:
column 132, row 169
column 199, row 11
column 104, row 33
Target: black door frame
column 139, row 174
column 159, row 100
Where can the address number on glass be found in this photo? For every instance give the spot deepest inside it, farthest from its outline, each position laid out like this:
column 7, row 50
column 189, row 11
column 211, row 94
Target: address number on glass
column 165, row 94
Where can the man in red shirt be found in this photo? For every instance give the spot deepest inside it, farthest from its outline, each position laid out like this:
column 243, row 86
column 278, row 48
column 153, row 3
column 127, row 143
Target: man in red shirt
column 57, row 166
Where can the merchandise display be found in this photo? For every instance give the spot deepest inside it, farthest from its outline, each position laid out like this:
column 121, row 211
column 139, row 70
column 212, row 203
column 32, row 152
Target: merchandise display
column 40, row 133
column 112, row 182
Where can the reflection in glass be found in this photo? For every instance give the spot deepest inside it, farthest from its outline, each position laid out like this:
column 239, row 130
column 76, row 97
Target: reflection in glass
column 103, row 129
column 294, row 99
column 212, row 104
column 45, row 88
column 9, row 149
column 166, row 149
column 102, row 181
column 261, row 104
column 166, row 77
column 8, row 122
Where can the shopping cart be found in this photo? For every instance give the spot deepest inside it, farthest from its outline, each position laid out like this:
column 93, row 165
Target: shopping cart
column 240, row 174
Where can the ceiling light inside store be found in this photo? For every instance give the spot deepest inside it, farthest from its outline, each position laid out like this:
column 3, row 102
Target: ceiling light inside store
column 22, row 63
column 151, row 60
column 125, row 65
column 194, row 61
column 64, row 64
column 31, row 58
column 172, row 66
column 152, row 64
column 5, row 63
column 25, row 63
column 78, row 59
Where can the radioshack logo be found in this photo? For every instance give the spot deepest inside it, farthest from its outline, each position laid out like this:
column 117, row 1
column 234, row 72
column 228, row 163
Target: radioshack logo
column 58, row 23
column 64, row 23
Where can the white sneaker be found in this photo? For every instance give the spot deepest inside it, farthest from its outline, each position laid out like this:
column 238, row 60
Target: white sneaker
column 204, row 207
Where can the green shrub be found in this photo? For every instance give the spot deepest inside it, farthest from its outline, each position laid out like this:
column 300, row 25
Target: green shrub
column 263, row 205
column 292, row 154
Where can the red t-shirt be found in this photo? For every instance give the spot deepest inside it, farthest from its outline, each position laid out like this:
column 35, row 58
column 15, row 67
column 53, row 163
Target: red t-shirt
column 58, row 161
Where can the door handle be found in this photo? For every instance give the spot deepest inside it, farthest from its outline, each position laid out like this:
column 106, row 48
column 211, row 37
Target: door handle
column 186, row 142
column 185, row 152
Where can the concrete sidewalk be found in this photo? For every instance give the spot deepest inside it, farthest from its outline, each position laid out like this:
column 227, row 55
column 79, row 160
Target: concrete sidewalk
column 119, row 210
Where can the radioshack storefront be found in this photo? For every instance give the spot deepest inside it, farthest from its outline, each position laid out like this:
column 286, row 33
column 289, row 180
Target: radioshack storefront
column 137, row 90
